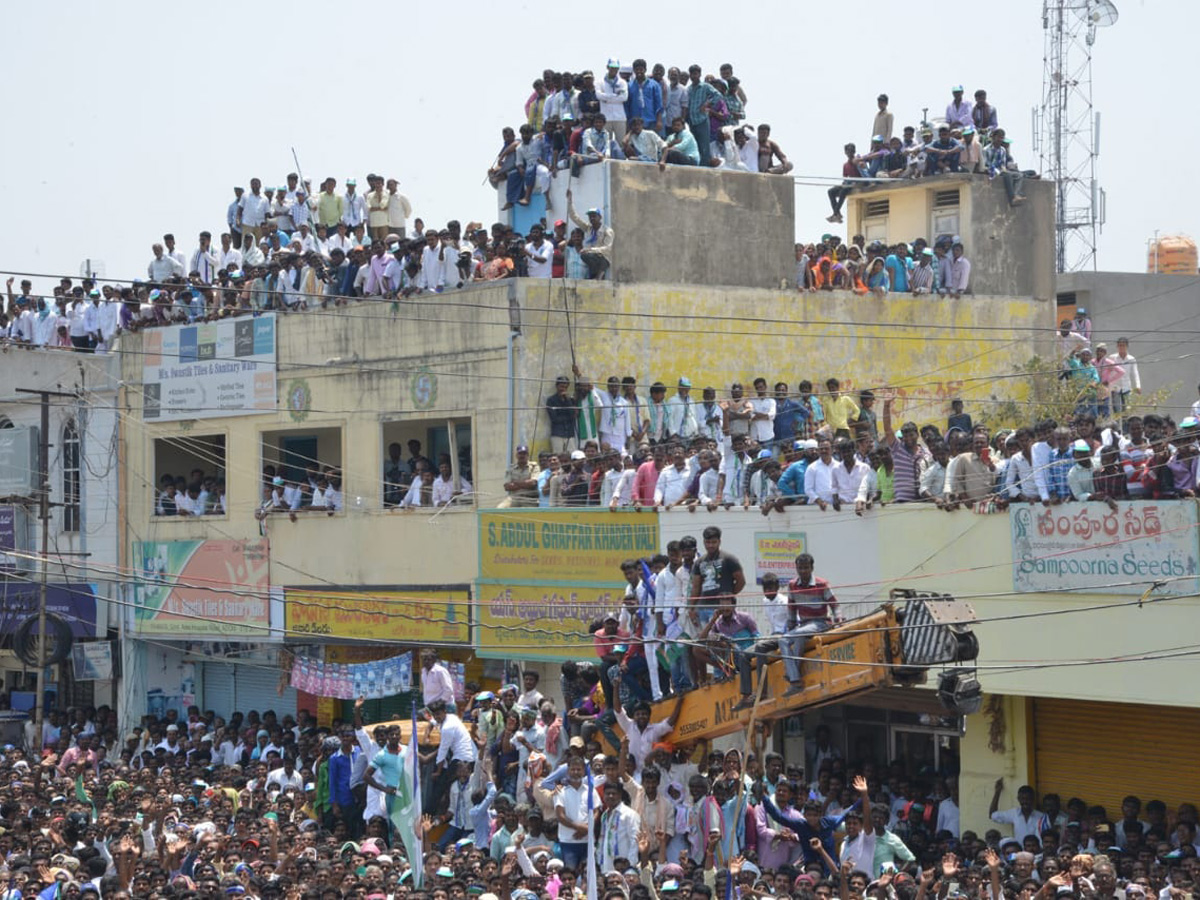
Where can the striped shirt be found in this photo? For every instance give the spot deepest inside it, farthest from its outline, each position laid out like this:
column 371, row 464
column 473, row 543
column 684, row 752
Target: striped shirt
column 810, row 601
column 907, row 471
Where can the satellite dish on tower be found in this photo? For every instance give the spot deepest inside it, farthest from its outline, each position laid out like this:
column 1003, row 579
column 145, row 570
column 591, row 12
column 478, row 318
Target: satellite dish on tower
column 91, row 268
column 1100, row 13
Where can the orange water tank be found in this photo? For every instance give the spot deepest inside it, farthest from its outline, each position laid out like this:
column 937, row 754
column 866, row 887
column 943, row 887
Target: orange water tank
column 1173, row 255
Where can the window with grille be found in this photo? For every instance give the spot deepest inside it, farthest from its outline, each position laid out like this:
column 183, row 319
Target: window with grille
column 71, row 447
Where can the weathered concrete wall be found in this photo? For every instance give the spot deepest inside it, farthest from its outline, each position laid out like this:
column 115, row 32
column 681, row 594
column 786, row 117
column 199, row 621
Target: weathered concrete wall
column 688, row 225
column 930, row 349
column 1011, row 248
column 1157, row 314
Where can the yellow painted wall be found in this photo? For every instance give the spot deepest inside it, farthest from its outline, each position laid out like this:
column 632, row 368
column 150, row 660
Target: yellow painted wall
column 996, row 745
column 360, row 365
column 720, row 335
column 910, row 209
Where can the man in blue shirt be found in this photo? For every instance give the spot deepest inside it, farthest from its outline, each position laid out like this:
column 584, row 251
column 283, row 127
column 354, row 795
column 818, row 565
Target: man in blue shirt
column 343, row 806
column 702, row 97
column 791, row 483
column 811, row 824
column 645, row 98
column 897, row 264
column 787, row 413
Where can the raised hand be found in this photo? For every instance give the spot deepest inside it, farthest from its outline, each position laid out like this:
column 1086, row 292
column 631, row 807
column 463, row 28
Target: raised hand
column 991, row 858
column 949, row 865
column 859, row 783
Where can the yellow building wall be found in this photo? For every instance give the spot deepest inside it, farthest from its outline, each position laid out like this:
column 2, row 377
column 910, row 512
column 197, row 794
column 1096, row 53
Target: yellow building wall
column 995, row 745
column 931, row 350
column 361, row 367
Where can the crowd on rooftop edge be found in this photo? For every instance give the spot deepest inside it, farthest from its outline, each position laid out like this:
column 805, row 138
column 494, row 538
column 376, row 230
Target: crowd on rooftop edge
column 289, row 247
column 771, row 447
column 517, row 787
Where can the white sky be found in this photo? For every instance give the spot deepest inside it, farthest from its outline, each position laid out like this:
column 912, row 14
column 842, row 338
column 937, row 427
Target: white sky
column 131, row 119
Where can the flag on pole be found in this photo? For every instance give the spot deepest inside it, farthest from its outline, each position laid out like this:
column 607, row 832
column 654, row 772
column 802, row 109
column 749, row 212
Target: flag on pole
column 591, row 843
column 406, row 805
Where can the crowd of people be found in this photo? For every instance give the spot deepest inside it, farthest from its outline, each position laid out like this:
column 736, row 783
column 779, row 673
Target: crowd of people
column 518, row 787
column 968, row 139
column 876, row 268
column 676, row 116
column 772, row 447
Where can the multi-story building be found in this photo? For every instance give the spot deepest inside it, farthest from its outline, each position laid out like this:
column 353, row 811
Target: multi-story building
column 223, row 606
column 83, row 529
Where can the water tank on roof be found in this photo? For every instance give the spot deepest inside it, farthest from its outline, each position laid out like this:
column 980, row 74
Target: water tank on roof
column 1173, row 255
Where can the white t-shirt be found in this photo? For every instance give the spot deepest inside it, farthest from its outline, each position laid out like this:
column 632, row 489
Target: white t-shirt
column 546, row 251
column 573, row 802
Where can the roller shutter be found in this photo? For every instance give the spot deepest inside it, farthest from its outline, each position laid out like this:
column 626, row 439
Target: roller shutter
column 1102, row 752
column 230, row 687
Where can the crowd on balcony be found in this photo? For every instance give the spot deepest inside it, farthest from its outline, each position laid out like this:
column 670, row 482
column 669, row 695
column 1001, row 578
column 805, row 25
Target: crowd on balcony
column 771, row 447
column 968, row 139
column 517, row 787
column 917, row 269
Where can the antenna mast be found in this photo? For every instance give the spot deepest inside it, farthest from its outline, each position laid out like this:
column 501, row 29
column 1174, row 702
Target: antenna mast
column 1068, row 129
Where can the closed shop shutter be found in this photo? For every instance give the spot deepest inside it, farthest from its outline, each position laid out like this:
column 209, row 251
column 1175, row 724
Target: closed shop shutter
column 241, row 687
column 216, row 681
column 1102, row 752
column 257, row 688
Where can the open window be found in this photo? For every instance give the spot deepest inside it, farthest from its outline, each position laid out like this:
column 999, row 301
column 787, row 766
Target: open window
column 309, row 463
column 189, row 475
column 429, row 440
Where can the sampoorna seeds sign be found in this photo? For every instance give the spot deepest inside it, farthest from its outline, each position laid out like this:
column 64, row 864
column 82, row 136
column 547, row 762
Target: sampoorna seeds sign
column 562, row 547
column 1087, row 545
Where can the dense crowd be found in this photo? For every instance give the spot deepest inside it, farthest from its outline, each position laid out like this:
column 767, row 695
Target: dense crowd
column 516, row 788
column 876, row 268
column 677, row 116
column 772, row 448
column 968, row 139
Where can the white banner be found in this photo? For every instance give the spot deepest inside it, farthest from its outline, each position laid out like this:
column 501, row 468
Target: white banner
column 1087, row 545
column 209, row 369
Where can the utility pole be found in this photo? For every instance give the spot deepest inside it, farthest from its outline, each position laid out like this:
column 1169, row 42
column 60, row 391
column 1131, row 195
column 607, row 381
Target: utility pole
column 39, row 717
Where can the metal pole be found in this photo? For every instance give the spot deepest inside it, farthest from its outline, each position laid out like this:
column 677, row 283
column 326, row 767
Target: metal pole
column 39, row 717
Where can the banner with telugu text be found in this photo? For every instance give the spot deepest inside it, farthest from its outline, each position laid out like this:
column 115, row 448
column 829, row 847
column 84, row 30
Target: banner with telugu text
column 413, row 614
column 1087, row 545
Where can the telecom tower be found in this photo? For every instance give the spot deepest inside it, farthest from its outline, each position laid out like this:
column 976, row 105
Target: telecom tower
column 1066, row 128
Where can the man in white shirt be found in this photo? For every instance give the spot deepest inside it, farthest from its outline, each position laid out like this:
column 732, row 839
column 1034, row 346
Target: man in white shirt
column 1024, row 818
column 732, row 474
column 447, row 486
column 615, row 425
column 616, row 490
column 252, row 211
column 613, row 92
column 286, row 776
column 398, row 208
column 162, row 266
column 672, row 486
column 177, row 255
column 571, row 811
column 762, row 421
column 231, row 256
column 681, row 412
column 848, row 475
column 619, row 827
column 540, row 253
column 1131, row 381
column 818, row 477
column 436, row 681
column 455, row 742
column 354, row 205
column 204, row 260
